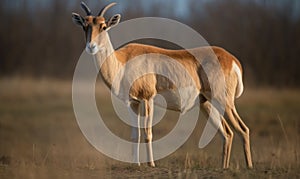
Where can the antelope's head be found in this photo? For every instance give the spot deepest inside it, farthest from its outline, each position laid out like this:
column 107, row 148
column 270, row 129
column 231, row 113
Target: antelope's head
column 93, row 26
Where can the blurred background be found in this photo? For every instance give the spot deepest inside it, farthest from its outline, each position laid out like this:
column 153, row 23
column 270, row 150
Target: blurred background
column 38, row 38
column 39, row 49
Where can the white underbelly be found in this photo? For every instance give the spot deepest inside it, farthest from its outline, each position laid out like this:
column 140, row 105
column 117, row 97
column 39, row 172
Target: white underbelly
column 178, row 100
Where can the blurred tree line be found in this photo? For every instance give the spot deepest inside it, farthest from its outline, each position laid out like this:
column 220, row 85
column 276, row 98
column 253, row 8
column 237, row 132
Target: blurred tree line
column 38, row 38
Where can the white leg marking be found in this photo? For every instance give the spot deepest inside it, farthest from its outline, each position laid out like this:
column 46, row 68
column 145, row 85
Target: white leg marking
column 148, row 130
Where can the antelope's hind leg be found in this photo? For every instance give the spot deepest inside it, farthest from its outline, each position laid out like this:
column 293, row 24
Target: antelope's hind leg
column 224, row 129
column 243, row 130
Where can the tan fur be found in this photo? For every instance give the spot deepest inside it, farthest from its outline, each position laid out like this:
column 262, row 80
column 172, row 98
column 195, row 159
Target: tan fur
column 184, row 57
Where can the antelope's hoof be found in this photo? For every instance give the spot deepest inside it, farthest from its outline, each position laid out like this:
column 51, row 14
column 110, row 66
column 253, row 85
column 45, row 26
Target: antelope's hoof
column 151, row 164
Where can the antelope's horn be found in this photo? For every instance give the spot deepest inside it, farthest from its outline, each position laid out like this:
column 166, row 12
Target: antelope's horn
column 102, row 12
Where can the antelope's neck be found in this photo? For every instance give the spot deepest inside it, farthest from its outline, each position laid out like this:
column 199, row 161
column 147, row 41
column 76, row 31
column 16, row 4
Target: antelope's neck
column 108, row 64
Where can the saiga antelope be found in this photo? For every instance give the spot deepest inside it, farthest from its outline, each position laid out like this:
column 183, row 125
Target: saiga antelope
column 144, row 89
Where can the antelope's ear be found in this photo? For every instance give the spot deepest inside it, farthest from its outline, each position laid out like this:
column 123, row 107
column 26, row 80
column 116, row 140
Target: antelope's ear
column 113, row 21
column 78, row 19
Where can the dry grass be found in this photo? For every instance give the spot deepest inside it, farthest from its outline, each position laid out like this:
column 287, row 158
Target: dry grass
column 40, row 137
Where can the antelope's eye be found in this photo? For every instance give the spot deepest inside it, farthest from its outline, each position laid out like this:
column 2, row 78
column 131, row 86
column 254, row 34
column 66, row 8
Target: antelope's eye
column 102, row 27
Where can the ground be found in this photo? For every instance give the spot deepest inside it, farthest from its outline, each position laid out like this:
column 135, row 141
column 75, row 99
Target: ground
column 40, row 138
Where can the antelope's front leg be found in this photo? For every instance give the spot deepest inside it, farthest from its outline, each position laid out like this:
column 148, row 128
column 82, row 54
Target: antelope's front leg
column 148, row 130
column 133, row 109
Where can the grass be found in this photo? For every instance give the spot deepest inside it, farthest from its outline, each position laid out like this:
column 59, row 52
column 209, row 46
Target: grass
column 39, row 137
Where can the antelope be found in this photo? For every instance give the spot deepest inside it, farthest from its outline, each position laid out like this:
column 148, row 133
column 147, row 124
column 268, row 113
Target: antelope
column 143, row 90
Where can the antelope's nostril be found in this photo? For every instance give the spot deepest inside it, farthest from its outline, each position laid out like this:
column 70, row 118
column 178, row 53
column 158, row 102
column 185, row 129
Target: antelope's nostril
column 93, row 45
